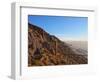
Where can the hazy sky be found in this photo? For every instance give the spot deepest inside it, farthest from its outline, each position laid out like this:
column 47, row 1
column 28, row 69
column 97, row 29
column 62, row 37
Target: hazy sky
column 64, row 27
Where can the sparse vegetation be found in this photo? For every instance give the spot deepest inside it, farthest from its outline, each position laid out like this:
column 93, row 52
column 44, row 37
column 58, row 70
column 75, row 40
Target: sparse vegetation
column 45, row 49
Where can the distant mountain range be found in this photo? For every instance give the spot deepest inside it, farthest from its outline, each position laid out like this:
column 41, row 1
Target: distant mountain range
column 45, row 49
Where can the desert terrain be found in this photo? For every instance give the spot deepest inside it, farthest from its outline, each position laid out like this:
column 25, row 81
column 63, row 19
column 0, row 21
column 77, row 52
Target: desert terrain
column 45, row 49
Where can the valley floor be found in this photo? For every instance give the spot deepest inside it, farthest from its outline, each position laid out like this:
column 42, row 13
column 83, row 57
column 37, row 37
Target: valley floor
column 79, row 47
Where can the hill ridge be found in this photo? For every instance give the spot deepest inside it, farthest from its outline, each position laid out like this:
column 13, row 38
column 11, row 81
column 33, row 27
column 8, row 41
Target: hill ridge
column 45, row 49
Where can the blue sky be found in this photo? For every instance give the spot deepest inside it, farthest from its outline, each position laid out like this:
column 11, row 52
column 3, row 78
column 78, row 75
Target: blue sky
column 64, row 27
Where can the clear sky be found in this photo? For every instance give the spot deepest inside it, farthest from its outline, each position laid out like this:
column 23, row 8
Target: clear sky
column 64, row 27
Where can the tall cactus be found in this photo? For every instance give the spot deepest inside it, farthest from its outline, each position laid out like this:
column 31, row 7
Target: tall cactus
column 55, row 47
column 43, row 35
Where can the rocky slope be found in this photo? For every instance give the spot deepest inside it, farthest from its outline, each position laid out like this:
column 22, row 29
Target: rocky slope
column 45, row 49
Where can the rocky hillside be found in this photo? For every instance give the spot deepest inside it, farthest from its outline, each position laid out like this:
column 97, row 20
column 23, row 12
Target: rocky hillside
column 45, row 49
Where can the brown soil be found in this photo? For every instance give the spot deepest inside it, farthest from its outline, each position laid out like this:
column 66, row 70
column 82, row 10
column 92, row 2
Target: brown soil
column 45, row 49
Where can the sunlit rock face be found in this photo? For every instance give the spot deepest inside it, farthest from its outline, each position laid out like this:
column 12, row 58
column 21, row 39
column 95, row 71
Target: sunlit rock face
column 45, row 49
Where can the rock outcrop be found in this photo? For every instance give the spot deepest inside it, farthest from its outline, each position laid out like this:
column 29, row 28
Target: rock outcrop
column 45, row 49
